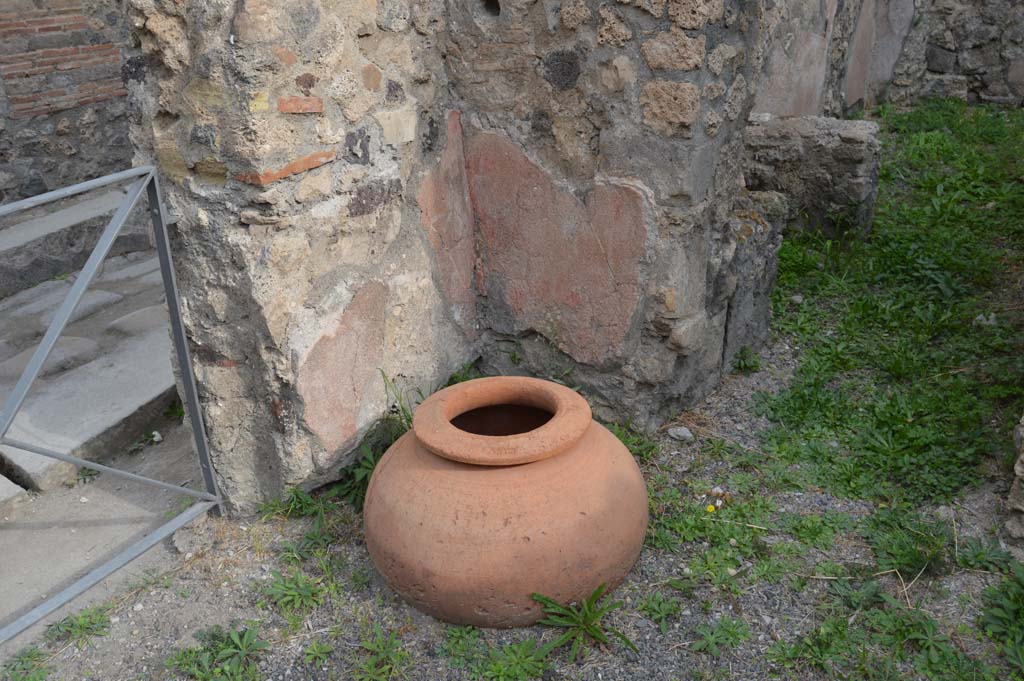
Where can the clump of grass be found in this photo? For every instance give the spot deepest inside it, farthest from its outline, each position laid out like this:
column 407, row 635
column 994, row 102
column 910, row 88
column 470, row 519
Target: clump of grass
column 1003, row 618
column 746, row 361
column 296, row 503
column 977, row 554
column 725, row 633
column 904, row 541
column 81, row 627
column 582, row 622
column 660, row 609
column 295, row 593
column 224, row 655
column 317, row 653
column 27, row 665
column 382, row 656
column 638, row 443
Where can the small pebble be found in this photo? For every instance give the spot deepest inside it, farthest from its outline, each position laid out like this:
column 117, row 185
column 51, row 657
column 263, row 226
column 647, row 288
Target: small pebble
column 83, row 500
column 797, row 298
column 681, row 433
column 137, row 607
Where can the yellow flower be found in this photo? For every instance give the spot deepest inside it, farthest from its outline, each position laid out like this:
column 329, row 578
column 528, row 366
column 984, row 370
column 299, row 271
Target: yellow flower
column 711, row 508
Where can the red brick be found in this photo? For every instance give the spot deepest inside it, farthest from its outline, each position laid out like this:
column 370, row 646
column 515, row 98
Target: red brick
column 299, row 165
column 300, row 105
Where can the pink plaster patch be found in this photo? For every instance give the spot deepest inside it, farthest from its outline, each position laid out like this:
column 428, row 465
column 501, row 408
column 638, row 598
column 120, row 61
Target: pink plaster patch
column 564, row 268
column 443, row 199
column 338, row 370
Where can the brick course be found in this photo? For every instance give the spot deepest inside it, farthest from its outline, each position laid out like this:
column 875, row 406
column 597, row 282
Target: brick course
column 65, row 70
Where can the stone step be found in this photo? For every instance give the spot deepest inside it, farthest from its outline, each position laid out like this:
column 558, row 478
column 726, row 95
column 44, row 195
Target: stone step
column 108, row 376
column 11, row 496
column 89, row 409
column 55, row 240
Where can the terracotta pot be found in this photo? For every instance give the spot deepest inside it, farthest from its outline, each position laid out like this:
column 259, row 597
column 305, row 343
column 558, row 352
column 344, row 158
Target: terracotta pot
column 504, row 487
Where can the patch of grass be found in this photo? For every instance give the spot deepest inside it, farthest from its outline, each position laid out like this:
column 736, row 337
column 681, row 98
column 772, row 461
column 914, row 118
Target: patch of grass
column 317, row 653
column 28, row 665
column 356, row 478
column 900, row 393
column 1003, row 617
column 977, row 554
column 224, row 655
column 660, row 609
column 295, row 593
column 817, row 529
column 746, row 361
column 463, row 647
column 516, row 662
column 87, row 475
column 81, row 627
column 176, row 411
column 466, row 372
column 296, row 503
column 383, row 657
column 725, row 633
column 639, row 444
column 583, row 621
column 902, row 540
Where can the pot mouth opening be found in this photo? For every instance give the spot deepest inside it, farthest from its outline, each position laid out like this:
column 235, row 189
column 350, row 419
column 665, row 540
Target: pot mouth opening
column 499, row 420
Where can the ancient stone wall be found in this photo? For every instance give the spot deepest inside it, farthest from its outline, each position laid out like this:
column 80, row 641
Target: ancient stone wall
column 295, row 140
column 603, row 161
column 62, row 98
column 367, row 188
column 824, row 171
column 842, row 56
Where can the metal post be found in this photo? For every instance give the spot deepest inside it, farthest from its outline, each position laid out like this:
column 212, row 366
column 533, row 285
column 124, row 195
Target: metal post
column 188, row 380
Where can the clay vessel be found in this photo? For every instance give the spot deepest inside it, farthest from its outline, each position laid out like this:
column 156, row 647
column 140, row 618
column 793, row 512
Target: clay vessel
column 504, row 487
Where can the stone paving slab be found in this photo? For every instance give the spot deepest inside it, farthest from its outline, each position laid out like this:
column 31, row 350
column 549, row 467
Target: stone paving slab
column 11, row 495
column 109, row 373
column 67, row 354
column 75, row 410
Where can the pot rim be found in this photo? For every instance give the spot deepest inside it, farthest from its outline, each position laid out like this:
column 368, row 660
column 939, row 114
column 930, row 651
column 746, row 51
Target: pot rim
column 433, row 427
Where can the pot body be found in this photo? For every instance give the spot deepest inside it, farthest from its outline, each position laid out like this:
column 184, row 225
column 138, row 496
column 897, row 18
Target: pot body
column 470, row 543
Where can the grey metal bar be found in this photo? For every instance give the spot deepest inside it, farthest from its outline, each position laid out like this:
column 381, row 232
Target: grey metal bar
column 49, row 453
column 63, row 314
column 99, row 573
column 188, row 380
column 80, row 188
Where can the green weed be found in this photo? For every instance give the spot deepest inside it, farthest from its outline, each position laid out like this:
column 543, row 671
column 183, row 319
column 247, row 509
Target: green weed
column 746, row 361
column 296, row 593
column 727, row 632
column 639, row 444
column 660, row 609
column 1003, row 617
column 224, row 655
column 583, row 621
column 317, row 653
column 383, row 657
column 81, row 627
column 28, row 665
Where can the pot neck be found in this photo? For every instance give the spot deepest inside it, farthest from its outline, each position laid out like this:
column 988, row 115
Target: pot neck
column 433, row 427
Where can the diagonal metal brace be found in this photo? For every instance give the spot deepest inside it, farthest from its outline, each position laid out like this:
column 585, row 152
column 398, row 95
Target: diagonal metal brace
column 144, row 179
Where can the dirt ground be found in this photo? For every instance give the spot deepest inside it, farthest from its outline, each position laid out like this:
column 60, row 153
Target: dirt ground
column 218, row 569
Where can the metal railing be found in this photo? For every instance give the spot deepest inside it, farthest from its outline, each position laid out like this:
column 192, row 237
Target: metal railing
column 144, row 180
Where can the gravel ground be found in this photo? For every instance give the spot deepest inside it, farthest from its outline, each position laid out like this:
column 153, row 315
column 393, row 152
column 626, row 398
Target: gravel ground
column 224, row 563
